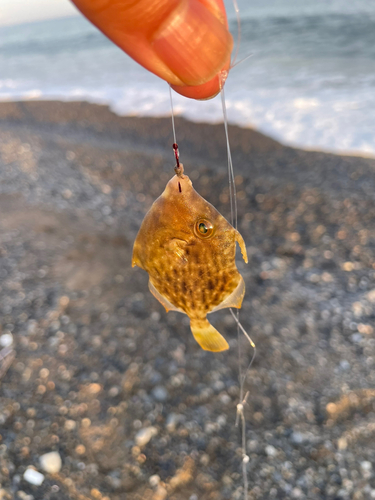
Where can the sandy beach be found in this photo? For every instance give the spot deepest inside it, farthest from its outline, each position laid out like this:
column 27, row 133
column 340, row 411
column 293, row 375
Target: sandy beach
column 120, row 389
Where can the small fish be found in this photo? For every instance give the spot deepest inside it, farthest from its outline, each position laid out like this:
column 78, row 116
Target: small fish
column 188, row 249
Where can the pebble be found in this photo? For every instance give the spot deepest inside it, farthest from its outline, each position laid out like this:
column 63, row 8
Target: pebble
column 297, row 438
column 271, row 450
column 342, row 443
column 160, row 393
column 51, row 462
column 371, row 296
column 321, row 328
column 32, row 476
column 145, row 435
column 345, row 365
column 154, row 480
column 70, row 425
column 172, row 421
column 6, row 340
column 366, row 465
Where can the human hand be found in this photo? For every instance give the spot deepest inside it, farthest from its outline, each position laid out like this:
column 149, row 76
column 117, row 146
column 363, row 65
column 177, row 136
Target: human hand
column 185, row 42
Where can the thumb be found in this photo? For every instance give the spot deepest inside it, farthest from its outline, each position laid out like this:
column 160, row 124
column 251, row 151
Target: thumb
column 185, row 42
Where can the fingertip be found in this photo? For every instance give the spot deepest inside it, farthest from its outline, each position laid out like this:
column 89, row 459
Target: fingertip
column 193, row 43
column 207, row 90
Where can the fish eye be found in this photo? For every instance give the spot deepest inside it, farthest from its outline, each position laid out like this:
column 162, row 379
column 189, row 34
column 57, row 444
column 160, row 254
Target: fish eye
column 204, row 228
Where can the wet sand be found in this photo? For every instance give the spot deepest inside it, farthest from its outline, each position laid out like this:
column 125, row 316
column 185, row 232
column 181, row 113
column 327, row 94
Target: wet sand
column 119, row 388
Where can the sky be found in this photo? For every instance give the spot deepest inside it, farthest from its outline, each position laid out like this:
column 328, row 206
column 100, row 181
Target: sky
column 23, row 11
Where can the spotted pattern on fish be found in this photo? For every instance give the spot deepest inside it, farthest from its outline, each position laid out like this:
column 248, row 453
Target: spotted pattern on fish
column 188, row 249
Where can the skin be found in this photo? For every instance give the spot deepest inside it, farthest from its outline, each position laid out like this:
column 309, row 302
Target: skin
column 185, row 42
column 190, row 272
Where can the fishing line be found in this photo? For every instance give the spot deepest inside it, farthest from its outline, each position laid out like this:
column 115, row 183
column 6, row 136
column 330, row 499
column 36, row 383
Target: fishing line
column 179, row 168
column 238, row 41
column 240, row 415
column 241, row 60
column 173, row 127
column 232, row 185
column 239, row 32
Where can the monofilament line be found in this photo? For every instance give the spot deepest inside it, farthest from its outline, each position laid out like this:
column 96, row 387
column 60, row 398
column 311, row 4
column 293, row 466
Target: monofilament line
column 240, row 416
column 173, row 127
column 232, row 185
column 238, row 43
column 179, row 169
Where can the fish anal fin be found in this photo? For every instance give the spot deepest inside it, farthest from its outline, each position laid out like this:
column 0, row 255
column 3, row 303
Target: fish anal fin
column 234, row 299
column 163, row 301
column 207, row 336
column 242, row 245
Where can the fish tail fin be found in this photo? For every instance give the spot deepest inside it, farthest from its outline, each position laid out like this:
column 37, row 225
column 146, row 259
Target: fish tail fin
column 207, row 336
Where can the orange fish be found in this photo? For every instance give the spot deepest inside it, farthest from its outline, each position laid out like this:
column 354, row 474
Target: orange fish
column 188, row 249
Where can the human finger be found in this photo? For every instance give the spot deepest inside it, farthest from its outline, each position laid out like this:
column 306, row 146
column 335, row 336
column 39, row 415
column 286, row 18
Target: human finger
column 185, row 42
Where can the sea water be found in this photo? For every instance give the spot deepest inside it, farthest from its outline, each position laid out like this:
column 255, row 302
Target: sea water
column 310, row 80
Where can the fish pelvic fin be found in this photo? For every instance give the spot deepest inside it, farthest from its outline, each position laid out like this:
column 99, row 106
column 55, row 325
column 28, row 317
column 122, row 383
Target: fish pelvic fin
column 207, row 336
column 234, row 299
column 163, row 300
column 241, row 242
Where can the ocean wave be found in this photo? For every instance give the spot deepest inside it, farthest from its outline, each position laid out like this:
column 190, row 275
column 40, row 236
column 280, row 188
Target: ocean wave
column 310, row 82
column 329, row 122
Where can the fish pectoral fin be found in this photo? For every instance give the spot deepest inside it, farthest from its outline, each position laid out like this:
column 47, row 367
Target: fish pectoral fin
column 177, row 247
column 242, row 245
column 234, row 299
column 207, row 336
column 163, row 301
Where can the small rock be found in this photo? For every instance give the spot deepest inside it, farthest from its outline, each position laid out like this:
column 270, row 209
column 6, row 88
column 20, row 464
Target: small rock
column 366, row 465
column 344, row 365
column 356, row 338
column 342, row 443
column 94, row 389
column 160, row 393
column 172, row 421
column 145, row 435
column 114, row 482
column 252, row 445
column 224, row 399
column 371, row 296
column 51, row 462
column 80, row 449
column 297, row 438
column 154, row 480
column 297, row 493
column 160, row 494
column 70, row 425
column 32, row 476
column 271, row 450
column 113, row 392
column 6, row 340
column 21, row 495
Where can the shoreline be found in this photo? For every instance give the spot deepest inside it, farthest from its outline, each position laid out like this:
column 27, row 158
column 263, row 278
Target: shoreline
column 120, row 389
column 110, row 108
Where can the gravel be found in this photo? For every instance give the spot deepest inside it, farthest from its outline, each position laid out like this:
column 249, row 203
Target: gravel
column 99, row 366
